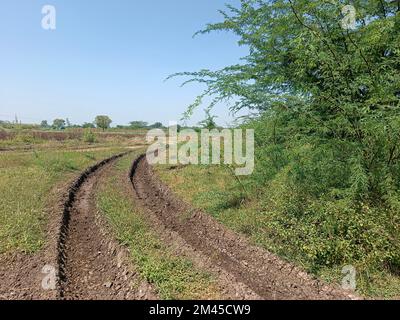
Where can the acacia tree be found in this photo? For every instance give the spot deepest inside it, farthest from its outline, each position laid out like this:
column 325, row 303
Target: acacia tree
column 103, row 122
column 300, row 53
column 317, row 82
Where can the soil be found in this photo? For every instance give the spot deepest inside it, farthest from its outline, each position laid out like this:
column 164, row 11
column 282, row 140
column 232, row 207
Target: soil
column 21, row 277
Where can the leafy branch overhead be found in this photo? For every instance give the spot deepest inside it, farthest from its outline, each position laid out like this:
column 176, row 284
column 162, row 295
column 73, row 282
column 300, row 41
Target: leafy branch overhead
column 300, row 55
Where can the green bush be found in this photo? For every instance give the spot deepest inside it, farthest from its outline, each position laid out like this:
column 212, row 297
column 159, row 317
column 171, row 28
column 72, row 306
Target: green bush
column 89, row 136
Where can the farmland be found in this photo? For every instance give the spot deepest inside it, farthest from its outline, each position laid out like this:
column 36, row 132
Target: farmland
column 55, row 212
column 279, row 181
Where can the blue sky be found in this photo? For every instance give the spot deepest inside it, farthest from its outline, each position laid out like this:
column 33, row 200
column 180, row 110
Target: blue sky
column 108, row 57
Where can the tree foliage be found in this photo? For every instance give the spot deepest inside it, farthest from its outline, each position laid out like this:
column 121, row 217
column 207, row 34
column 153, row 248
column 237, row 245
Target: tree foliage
column 59, row 124
column 103, row 122
column 322, row 83
column 138, row 124
column 300, row 55
column 44, row 124
column 156, row 125
column 88, row 125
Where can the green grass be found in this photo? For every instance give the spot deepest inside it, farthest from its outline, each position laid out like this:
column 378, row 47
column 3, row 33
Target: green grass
column 320, row 236
column 173, row 277
column 26, row 181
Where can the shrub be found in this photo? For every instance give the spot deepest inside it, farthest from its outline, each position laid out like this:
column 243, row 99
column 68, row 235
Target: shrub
column 89, row 136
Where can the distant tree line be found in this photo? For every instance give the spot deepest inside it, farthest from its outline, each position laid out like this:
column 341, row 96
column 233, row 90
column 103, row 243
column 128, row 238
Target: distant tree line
column 101, row 122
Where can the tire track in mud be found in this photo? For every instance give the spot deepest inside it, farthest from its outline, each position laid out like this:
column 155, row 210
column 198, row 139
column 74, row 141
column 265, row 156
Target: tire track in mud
column 91, row 265
column 248, row 270
column 22, row 275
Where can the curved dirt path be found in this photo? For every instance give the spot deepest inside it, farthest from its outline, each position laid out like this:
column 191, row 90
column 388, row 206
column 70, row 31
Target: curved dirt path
column 92, row 266
column 80, row 259
column 251, row 271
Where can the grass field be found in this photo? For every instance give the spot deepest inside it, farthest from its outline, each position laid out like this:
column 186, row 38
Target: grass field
column 26, row 182
column 307, row 232
column 267, row 221
column 174, row 277
column 15, row 139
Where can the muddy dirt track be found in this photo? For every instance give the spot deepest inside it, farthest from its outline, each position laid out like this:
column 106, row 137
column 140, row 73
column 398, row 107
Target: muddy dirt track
column 90, row 264
column 81, row 260
column 250, row 268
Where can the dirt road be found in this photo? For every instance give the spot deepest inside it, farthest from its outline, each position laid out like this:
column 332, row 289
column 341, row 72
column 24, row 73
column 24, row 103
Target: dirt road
column 252, row 271
column 89, row 264
column 80, row 259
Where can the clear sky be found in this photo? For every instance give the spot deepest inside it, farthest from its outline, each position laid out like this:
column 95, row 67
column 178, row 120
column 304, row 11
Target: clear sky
column 108, row 57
